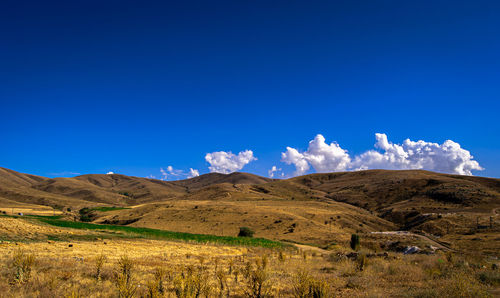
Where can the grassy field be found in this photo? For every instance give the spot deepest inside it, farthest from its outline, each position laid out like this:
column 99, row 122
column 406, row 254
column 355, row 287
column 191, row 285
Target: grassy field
column 177, row 239
column 133, row 232
column 148, row 265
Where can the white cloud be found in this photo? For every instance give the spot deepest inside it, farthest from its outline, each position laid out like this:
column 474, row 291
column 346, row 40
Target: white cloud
column 174, row 172
column 227, row 162
column 109, row 173
column 193, row 173
column 274, row 171
column 323, row 157
column 179, row 174
column 163, row 174
column 293, row 156
column 448, row 157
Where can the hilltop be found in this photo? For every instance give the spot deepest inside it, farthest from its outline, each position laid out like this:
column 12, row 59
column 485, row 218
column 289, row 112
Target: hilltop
column 317, row 209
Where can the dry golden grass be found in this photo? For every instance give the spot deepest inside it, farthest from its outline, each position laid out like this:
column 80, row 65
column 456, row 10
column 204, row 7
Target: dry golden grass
column 148, row 268
column 17, row 229
column 38, row 260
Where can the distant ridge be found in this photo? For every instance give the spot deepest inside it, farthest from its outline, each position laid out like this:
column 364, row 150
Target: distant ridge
column 218, row 178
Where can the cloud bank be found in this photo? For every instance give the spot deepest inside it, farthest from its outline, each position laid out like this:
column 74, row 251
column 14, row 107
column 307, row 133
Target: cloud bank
column 448, row 157
column 227, row 162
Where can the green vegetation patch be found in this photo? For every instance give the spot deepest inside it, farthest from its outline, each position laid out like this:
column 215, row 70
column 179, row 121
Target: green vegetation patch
column 166, row 235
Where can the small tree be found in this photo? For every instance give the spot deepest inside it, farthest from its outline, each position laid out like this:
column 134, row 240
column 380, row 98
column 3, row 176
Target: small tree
column 355, row 241
column 85, row 214
column 245, row 232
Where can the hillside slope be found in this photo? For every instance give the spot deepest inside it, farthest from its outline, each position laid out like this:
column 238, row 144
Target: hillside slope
column 315, row 209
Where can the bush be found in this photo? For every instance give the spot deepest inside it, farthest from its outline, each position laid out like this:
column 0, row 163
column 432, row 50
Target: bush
column 85, row 214
column 306, row 285
column 99, row 263
column 22, row 264
column 245, row 232
column 490, row 278
column 361, row 262
column 257, row 284
column 355, row 241
column 123, row 278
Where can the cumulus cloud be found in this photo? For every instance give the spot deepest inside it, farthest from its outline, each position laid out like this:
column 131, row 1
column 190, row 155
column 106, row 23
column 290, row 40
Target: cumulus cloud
column 293, row 156
column 322, row 156
column 447, row 157
column 275, row 171
column 193, row 173
column 109, row 173
column 227, row 162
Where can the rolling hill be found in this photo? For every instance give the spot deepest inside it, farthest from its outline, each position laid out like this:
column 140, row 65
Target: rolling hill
column 318, row 209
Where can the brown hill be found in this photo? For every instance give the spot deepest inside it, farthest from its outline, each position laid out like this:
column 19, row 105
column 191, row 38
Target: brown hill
column 316, row 208
column 218, row 178
column 9, row 178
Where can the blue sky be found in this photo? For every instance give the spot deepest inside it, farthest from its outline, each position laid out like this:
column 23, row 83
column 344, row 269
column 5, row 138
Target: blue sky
column 132, row 87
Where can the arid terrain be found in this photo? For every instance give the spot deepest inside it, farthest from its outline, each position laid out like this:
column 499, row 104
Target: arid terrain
column 185, row 232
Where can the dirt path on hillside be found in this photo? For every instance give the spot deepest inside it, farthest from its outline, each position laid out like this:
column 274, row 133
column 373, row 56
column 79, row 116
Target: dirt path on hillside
column 434, row 242
column 306, row 247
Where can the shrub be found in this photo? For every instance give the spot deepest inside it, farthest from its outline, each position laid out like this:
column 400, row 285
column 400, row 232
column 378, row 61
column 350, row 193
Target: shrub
column 85, row 214
column 355, row 241
column 99, row 263
column 245, row 232
column 123, row 278
column 155, row 286
column 306, row 285
column 257, row 279
column 301, row 284
column 222, row 281
column 361, row 262
column 490, row 278
column 22, row 264
column 192, row 283
column 281, row 256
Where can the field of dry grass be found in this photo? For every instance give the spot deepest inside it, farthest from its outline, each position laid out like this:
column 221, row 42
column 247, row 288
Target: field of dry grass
column 120, row 236
column 119, row 267
column 309, row 222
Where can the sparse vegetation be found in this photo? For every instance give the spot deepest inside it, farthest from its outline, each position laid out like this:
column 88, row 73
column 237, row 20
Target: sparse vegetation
column 22, row 264
column 123, row 278
column 355, row 242
column 100, row 260
column 147, row 271
column 245, row 232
